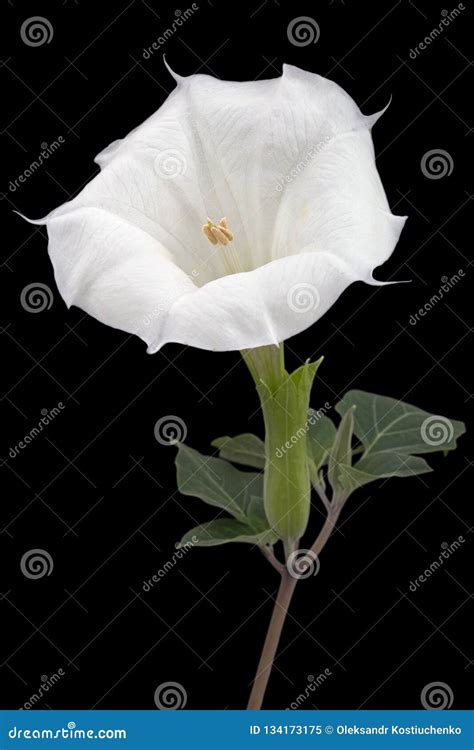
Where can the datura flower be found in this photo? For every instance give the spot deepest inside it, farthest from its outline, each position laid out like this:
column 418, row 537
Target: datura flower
column 232, row 218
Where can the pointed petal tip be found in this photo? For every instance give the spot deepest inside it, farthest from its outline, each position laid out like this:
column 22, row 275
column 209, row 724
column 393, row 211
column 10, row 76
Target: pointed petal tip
column 39, row 222
column 154, row 346
column 375, row 282
column 179, row 79
column 372, row 119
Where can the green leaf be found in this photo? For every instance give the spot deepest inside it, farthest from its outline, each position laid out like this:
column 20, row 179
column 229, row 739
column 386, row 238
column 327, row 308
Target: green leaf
column 380, row 465
column 320, row 439
column 223, row 531
column 383, row 424
column 220, row 484
column 256, row 514
column 217, row 482
column 244, row 449
column 390, row 431
column 340, row 456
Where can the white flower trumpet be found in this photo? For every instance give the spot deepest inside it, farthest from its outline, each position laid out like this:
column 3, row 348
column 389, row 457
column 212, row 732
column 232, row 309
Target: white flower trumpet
column 289, row 165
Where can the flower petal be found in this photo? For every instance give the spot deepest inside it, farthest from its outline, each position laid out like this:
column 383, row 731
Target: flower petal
column 257, row 308
column 114, row 271
column 337, row 204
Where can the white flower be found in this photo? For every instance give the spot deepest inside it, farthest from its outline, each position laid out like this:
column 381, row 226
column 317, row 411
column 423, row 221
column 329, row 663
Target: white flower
column 285, row 166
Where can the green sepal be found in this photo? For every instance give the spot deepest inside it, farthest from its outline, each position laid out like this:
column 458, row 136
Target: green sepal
column 321, row 436
column 287, row 487
column 340, row 455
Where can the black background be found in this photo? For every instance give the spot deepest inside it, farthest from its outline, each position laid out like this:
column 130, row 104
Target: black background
column 97, row 491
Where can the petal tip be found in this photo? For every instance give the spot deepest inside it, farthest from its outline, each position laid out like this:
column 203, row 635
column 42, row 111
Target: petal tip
column 39, row 222
column 370, row 120
column 179, row 79
column 154, row 347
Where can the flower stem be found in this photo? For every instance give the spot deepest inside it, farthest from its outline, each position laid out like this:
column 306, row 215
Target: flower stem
column 280, row 610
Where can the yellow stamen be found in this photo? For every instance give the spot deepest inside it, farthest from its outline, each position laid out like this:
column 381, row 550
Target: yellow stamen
column 217, row 234
column 207, row 232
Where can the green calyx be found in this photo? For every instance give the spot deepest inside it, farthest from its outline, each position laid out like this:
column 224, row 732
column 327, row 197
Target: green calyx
column 284, row 400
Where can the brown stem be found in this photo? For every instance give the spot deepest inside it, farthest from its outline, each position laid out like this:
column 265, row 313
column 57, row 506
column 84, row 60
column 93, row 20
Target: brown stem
column 270, row 556
column 327, row 529
column 280, row 610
